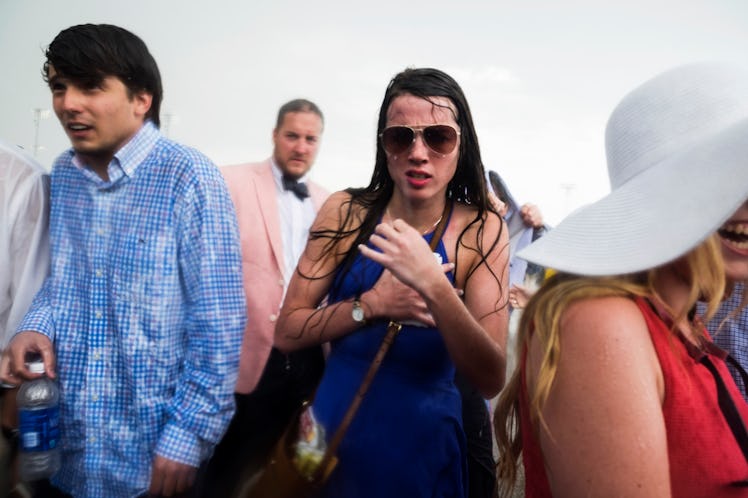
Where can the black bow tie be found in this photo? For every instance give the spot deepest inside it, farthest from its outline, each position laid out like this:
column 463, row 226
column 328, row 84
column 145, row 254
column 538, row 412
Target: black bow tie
column 298, row 188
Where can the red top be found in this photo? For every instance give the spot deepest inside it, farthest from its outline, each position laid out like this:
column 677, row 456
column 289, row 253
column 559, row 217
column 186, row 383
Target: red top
column 703, row 455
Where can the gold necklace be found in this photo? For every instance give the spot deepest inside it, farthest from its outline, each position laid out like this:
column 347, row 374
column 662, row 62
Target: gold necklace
column 429, row 229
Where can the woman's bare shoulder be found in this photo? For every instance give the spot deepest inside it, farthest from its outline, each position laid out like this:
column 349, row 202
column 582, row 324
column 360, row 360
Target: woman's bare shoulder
column 486, row 226
column 334, row 211
column 602, row 313
column 334, row 202
column 606, row 329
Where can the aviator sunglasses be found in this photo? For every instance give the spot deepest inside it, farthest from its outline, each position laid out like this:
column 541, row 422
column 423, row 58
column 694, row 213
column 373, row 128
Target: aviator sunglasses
column 440, row 138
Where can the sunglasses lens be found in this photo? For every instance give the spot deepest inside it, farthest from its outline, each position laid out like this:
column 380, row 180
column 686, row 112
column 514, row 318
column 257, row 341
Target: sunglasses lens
column 440, row 138
column 397, row 139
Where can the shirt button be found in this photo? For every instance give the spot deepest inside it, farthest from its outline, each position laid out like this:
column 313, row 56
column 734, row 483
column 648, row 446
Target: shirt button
column 99, row 273
column 100, row 231
column 96, row 356
column 98, row 314
column 273, row 318
column 95, row 397
column 92, row 439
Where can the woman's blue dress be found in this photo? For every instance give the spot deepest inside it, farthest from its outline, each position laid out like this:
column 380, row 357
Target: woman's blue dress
column 406, row 439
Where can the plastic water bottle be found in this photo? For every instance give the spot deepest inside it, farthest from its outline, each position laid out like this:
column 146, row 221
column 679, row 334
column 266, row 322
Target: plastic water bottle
column 38, row 426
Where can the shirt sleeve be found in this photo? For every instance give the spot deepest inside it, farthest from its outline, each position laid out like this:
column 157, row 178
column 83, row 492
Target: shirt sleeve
column 210, row 265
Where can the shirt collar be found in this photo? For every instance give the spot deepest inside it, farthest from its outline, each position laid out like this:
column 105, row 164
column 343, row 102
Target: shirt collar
column 127, row 159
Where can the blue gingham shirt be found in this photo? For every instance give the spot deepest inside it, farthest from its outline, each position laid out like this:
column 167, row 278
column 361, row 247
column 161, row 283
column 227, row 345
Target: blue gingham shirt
column 145, row 306
column 732, row 336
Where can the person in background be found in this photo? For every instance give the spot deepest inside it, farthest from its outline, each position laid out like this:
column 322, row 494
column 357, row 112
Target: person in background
column 368, row 262
column 525, row 224
column 141, row 316
column 24, row 250
column 730, row 324
column 275, row 204
column 620, row 391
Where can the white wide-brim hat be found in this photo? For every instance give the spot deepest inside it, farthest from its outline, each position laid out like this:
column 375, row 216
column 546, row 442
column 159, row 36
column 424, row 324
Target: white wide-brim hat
column 677, row 150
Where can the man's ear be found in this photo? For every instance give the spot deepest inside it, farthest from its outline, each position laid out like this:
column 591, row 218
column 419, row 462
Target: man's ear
column 142, row 101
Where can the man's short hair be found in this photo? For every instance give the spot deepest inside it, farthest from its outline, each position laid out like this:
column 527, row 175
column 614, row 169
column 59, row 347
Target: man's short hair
column 88, row 53
column 298, row 105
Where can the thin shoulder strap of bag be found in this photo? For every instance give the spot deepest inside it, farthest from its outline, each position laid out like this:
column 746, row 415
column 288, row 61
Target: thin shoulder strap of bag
column 728, row 408
column 743, row 374
column 724, row 399
column 389, row 338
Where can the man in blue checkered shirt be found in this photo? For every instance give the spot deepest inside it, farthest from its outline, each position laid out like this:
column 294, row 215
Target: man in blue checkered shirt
column 141, row 318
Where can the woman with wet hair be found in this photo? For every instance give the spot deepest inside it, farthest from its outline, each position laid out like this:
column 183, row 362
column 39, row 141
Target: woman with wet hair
column 368, row 262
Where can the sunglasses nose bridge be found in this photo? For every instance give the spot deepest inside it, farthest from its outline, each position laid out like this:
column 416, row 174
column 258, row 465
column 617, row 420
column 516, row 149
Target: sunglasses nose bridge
column 418, row 134
column 418, row 146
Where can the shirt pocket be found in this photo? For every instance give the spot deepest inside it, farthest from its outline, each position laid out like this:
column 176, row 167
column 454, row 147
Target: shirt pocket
column 145, row 267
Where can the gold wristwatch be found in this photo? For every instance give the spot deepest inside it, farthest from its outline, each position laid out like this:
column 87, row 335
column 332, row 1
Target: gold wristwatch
column 357, row 312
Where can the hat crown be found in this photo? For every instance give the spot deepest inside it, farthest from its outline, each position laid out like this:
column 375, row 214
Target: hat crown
column 671, row 113
column 677, row 151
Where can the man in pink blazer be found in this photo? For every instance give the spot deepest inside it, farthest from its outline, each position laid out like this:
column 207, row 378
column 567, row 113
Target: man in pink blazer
column 275, row 208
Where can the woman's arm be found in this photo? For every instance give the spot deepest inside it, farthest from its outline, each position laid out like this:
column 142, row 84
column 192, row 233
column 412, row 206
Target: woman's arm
column 605, row 432
column 302, row 322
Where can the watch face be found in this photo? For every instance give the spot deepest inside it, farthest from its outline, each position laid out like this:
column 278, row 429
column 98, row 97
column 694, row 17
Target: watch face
column 358, row 313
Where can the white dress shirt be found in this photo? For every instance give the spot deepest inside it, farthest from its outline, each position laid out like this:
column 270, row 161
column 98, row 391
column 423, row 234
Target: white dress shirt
column 296, row 218
column 24, row 243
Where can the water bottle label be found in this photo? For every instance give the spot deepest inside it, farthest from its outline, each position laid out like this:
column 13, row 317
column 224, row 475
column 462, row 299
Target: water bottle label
column 39, row 429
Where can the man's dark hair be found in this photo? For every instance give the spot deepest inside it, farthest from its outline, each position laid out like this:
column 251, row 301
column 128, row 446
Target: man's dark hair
column 298, row 105
column 88, row 53
column 498, row 187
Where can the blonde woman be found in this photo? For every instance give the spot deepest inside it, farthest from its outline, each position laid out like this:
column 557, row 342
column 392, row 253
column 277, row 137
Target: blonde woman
column 619, row 391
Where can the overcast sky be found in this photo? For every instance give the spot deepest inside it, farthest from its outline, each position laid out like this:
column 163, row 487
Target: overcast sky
column 541, row 77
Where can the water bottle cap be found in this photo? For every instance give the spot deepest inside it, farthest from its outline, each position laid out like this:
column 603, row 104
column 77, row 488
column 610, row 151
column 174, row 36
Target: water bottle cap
column 36, row 367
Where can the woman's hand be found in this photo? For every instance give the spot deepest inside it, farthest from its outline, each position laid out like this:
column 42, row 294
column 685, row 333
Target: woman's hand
column 393, row 299
column 531, row 215
column 406, row 254
column 519, row 295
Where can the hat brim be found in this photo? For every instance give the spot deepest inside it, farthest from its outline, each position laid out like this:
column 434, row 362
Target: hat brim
column 655, row 217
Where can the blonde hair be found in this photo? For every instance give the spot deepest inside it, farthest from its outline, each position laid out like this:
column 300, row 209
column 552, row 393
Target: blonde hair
column 705, row 275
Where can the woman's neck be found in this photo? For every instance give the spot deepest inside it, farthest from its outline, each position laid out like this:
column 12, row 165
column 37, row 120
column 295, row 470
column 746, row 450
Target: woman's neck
column 422, row 217
column 673, row 289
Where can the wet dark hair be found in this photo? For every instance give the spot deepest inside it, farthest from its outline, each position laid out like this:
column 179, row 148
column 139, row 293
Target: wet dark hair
column 298, row 105
column 468, row 186
column 88, row 53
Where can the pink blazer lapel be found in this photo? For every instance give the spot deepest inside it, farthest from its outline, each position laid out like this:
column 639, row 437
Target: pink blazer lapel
column 266, row 197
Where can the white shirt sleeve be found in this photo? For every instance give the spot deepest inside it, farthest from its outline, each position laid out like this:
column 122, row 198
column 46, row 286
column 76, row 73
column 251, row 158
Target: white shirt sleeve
column 24, row 241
